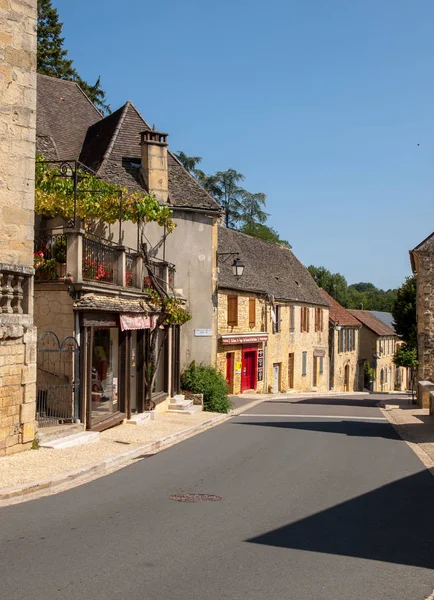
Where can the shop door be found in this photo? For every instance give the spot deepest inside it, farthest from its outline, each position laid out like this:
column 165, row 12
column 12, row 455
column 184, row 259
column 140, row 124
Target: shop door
column 248, row 376
column 230, row 370
column 104, row 392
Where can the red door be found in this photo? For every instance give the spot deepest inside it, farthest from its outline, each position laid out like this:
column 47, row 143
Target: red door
column 230, row 370
column 249, row 373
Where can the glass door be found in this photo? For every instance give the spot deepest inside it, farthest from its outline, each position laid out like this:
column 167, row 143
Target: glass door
column 105, row 373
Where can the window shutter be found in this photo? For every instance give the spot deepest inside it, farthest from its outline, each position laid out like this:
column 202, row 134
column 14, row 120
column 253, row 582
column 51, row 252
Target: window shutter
column 321, row 323
column 252, row 312
column 301, row 319
column 316, row 319
column 232, row 310
column 291, row 318
column 304, row 364
column 307, row 319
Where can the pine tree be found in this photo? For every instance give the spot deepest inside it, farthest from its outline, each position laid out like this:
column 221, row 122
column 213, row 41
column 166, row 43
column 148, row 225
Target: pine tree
column 52, row 58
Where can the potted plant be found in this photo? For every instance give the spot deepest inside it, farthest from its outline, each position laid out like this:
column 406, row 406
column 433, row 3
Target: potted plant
column 59, row 255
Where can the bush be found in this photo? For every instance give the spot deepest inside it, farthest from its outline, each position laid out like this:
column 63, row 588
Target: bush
column 206, row 380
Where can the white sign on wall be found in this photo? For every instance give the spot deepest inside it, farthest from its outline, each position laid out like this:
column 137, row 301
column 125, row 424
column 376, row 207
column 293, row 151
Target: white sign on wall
column 203, row 332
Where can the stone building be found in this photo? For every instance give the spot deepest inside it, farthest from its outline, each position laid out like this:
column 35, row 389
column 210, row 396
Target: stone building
column 272, row 321
column 345, row 364
column 105, row 312
column 17, row 160
column 377, row 348
column 422, row 263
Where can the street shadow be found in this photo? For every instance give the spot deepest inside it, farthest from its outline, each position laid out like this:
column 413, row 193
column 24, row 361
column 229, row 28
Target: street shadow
column 350, row 428
column 330, row 402
column 394, row 524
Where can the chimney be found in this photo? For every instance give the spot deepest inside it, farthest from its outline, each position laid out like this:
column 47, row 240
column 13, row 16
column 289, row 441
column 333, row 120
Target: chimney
column 154, row 162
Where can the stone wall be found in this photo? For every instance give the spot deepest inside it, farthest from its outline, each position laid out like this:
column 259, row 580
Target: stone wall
column 341, row 361
column 17, row 160
column 279, row 346
column 425, row 314
column 54, row 310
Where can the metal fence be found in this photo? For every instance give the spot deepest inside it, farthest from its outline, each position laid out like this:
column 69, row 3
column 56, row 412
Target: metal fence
column 99, row 260
column 50, row 256
column 56, row 382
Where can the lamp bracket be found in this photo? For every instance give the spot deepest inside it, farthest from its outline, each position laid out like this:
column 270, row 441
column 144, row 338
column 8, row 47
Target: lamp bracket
column 227, row 255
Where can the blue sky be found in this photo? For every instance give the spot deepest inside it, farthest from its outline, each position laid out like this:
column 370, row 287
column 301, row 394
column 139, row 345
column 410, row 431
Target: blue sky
column 321, row 104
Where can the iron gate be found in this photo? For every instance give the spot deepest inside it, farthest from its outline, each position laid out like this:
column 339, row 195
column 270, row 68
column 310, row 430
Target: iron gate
column 57, row 384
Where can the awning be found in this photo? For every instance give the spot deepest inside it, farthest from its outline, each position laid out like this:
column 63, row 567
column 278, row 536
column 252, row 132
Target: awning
column 134, row 321
column 244, row 338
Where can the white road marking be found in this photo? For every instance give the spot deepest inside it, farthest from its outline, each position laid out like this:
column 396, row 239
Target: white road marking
column 345, row 418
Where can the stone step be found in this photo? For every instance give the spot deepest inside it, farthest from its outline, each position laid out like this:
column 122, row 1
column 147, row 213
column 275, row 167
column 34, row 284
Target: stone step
column 178, row 397
column 55, row 432
column 139, row 419
column 187, row 411
column 78, row 439
column 180, row 404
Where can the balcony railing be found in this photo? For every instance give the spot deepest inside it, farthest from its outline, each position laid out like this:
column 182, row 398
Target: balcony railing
column 82, row 257
column 50, row 257
column 100, row 260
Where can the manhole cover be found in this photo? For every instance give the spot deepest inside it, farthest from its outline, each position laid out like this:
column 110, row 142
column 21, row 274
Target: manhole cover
column 195, row 498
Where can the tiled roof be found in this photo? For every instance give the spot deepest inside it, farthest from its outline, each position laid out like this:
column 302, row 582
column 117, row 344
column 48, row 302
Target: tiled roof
column 374, row 324
column 112, row 147
column 339, row 314
column 386, row 317
column 269, row 269
column 111, row 304
column 63, row 113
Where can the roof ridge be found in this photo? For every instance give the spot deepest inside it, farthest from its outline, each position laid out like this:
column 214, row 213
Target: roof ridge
column 273, row 244
column 74, row 83
column 139, row 113
column 363, row 312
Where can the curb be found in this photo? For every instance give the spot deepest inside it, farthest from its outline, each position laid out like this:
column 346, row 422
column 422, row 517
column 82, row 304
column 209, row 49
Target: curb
column 64, row 481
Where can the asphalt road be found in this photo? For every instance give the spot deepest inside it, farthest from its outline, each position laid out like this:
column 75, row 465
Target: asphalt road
column 321, row 507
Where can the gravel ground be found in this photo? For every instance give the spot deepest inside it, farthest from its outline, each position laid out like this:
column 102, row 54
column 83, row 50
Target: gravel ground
column 44, row 463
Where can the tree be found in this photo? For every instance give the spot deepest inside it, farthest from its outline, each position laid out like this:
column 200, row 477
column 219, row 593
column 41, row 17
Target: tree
column 334, row 284
column 229, row 194
column 406, row 356
column 52, row 58
column 189, row 162
column 404, row 312
column 251, row 209
column 264, row 232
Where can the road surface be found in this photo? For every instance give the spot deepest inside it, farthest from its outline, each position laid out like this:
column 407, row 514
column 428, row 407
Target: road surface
column 320, row 499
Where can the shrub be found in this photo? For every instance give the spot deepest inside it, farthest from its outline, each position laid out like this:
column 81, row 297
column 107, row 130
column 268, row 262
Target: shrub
column 206, row 380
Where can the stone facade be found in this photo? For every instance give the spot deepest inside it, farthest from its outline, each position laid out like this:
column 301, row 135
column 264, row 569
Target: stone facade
column 283, row 368
column 17, row 159
column 423, row 266
column 379, row 351
column 54, row 310
column 346, row 366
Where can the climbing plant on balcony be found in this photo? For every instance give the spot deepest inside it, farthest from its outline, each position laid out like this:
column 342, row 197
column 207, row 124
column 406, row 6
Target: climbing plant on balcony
column 96, row 199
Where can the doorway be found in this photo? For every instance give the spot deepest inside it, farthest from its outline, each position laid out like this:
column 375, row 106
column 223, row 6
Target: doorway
column 104, row 396
column 276, row 377
column 249, row 373
column 230, row 370
column 291, row 371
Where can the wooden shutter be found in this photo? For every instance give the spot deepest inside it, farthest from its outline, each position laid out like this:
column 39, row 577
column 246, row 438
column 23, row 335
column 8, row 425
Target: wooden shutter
column 301, row 319
column 307, row 319
column 321, row 319
column 316, row 319
column 232, row 310
column 252, row 312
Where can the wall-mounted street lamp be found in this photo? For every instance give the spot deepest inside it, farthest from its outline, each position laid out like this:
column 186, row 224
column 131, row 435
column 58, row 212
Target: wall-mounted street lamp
column 237, row 265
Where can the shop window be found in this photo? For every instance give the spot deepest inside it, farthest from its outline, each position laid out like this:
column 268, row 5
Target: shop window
column 232, row 311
